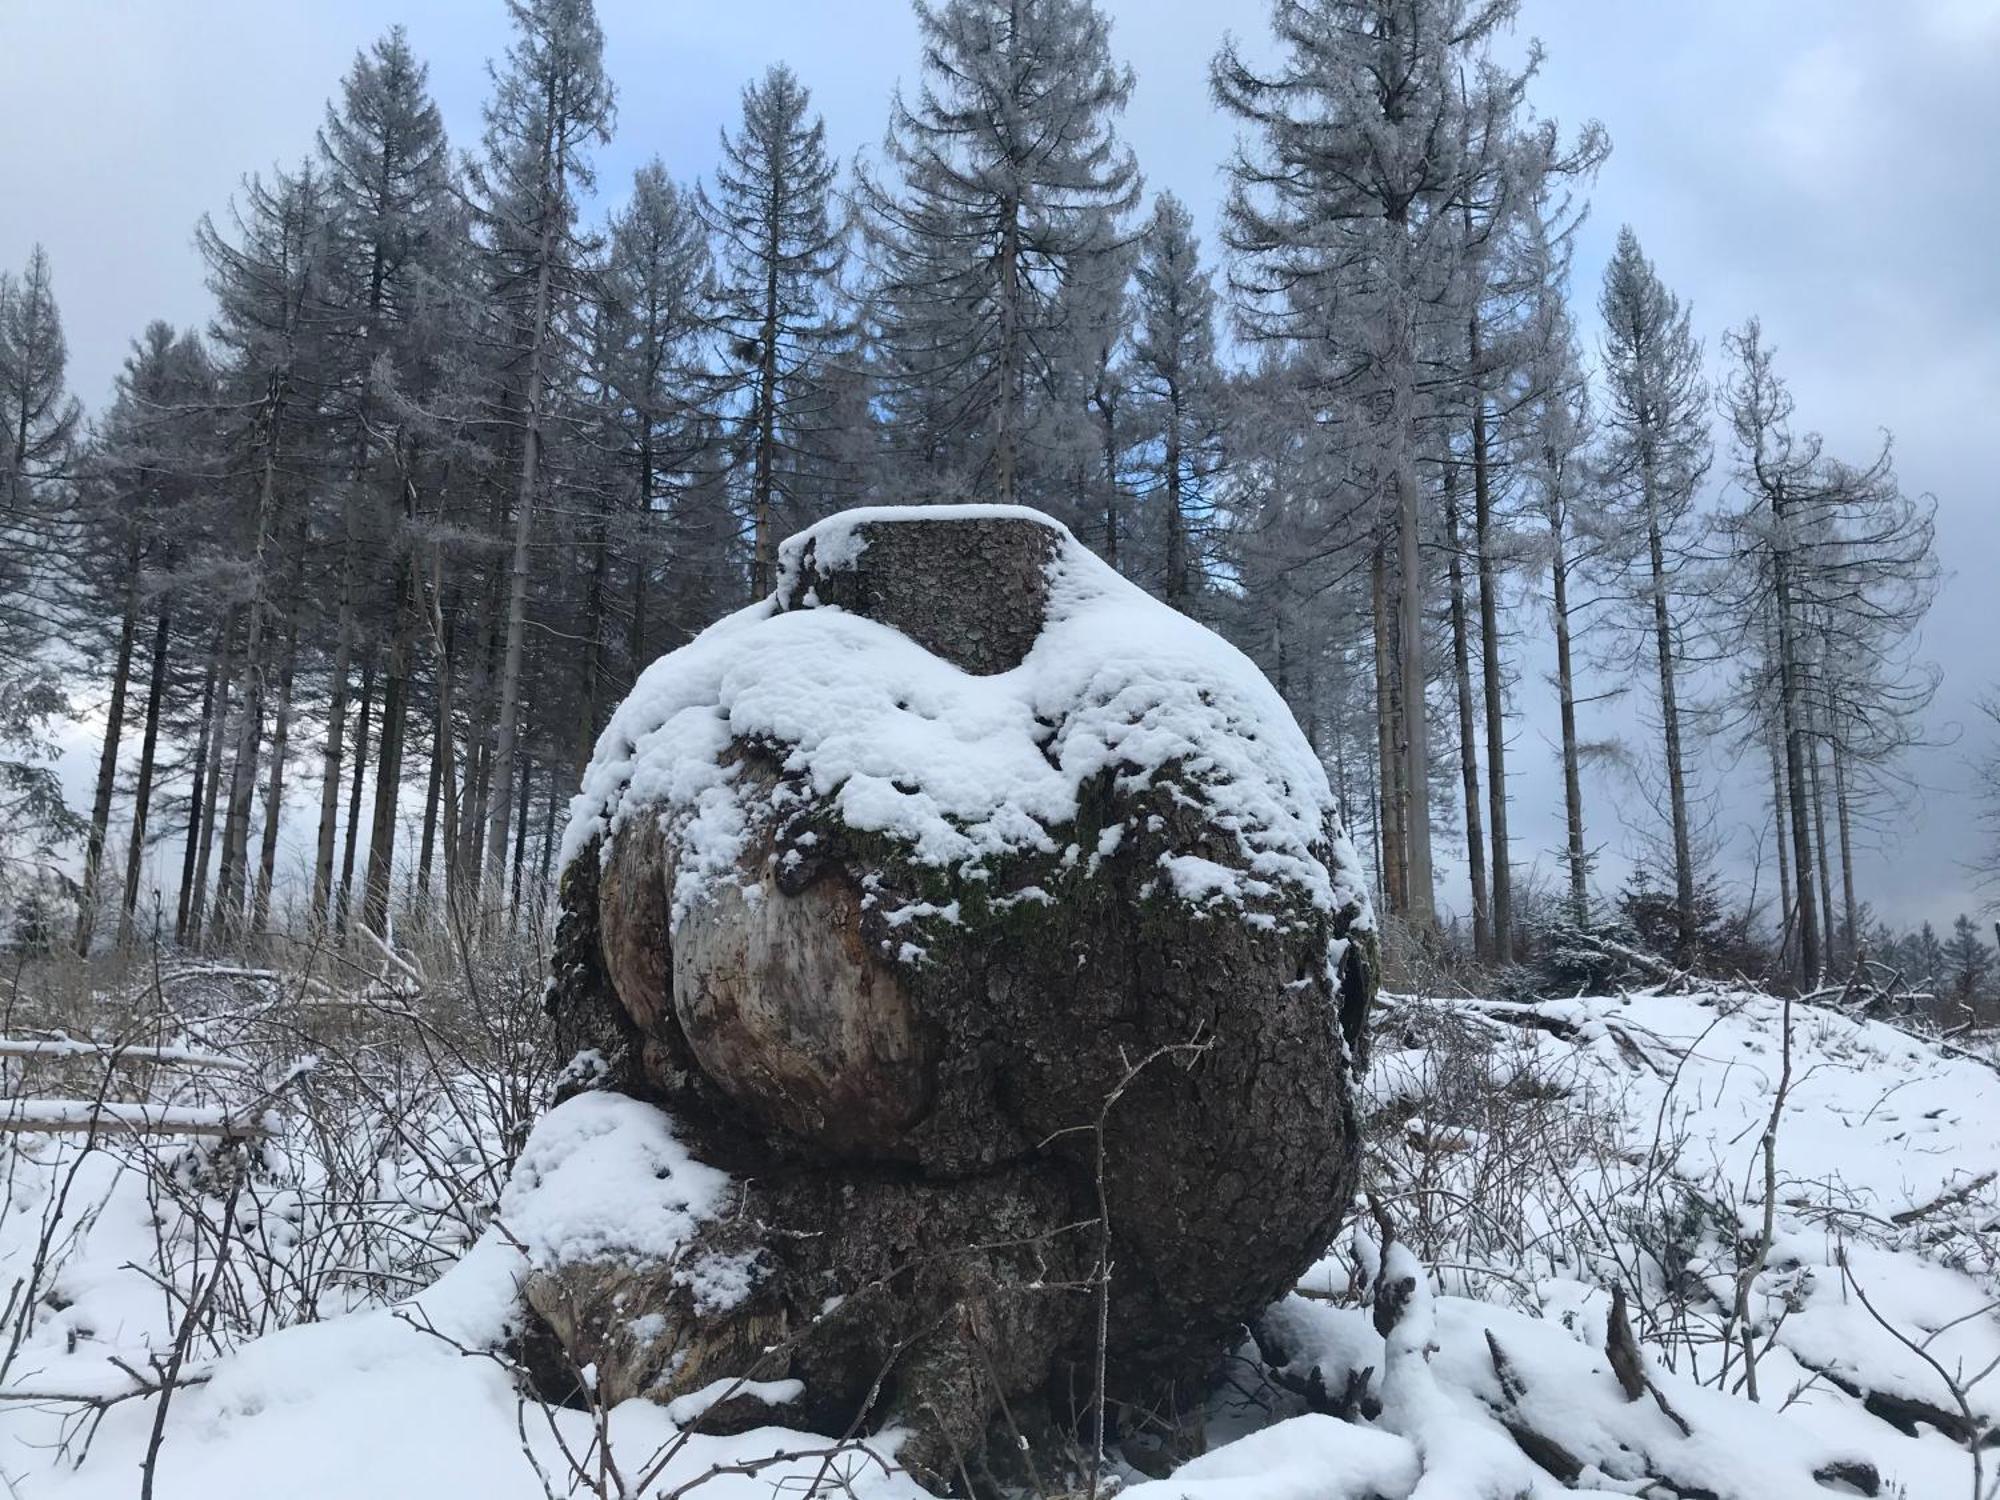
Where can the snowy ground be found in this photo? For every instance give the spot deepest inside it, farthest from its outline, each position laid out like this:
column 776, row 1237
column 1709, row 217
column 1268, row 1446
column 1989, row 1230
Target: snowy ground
column 1529, row 1159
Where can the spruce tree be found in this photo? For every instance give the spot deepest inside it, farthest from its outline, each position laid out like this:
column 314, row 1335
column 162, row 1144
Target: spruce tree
column 781, row 246
column 1008, row 173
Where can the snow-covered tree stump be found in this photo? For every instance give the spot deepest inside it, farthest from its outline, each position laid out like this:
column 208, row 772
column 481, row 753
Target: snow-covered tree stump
column 992, row 927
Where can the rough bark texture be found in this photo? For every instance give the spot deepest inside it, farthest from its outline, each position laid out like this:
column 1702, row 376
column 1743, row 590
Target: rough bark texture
column 915, row 1107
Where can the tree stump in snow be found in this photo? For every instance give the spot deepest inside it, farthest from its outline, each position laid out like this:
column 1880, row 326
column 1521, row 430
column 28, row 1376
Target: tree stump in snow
column 991, row 925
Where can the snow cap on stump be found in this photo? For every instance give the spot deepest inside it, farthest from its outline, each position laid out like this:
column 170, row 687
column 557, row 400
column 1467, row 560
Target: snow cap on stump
column 885, row 885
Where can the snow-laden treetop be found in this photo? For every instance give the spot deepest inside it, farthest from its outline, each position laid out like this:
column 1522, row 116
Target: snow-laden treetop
column 960, row 768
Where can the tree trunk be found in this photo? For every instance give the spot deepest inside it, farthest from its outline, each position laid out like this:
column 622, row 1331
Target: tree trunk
column 507, row 731
column 1468, row 758
column 1820, row 846
column 1579, row 893
column 527, row 781
column 330, row 758
column 231, row 880
column 342, row 902
column 1004, row 437
column 1791, row 700
column 198, row 795
column 107, row 760
column 1493, row 675
column 1843, row 809
column 1177, row 560
column 274, row 790
column 593, row 650
column 764, row 469
column 1391, row 864
column 1787, row 924
column 1420, row 901
column 1670, row 725
column 388, row 771
column 142, row 791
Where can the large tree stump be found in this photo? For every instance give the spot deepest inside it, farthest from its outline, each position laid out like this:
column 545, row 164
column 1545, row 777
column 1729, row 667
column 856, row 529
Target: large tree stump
column 991, row 925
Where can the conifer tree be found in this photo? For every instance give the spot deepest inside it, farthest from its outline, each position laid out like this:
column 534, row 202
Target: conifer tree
column 1007, row 175
column 781, row 248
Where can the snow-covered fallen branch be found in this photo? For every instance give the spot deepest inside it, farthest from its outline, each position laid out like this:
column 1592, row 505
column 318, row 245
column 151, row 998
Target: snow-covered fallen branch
column 115, row 1054
column 108, row 1117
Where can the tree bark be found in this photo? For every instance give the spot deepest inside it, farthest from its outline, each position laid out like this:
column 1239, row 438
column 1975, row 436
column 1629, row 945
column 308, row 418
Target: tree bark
column 507, row 731
column 1670, row 720
column 107, row 760
column 1820, row 846
column 1786, row 921
column 1579, row 892
column 1468, row 758
column 389, row 765
column 198, row 794
column 330, row 758
column 1494, row 677
column 1388, row 819
column 1792, row 711
column 274, row 790
column 142, row 791
column 1850, row 908
column 342, row 902
column 1177, row 559
column 212, row 796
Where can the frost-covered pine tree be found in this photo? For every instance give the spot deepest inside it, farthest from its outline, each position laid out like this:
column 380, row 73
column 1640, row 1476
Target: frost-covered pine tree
column 551, row 102
column 655, row 301
column 1550, row 437
column 1654, row 454
column 781, row 247
column 398, row 238
column 1832, row 569
column 1006, row 173
column 38, row 429
column 1379, row 121
column 1175, row 370
column 268, row 271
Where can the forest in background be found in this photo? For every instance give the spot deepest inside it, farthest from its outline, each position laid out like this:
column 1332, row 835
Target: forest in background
column 368, row 561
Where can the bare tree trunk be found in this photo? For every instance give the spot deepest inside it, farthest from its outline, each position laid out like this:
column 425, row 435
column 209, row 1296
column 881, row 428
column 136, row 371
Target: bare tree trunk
column 1420, row 899
column 1468, row 757
column 527, row 782
column 1177, row 559
column 1004, row 437
column 1386, row 734
column 1579, row 893
column 330, row 759
column 1820, row 847
column 1494, row 677
column 443, row 784
column 142, row 791
column 1791, row 700
column 593, row 651
column 1786, row 925
column 763, row 477
column 187, row 919
column 1670, row 727
column 1843, row 809
column 342, row 902
column 388, row 788
column 232, row 878
column 635, row 641
column 107, row 760
column 274, row 790
column 1108, row 423
column 549, row 827
column 507, row 731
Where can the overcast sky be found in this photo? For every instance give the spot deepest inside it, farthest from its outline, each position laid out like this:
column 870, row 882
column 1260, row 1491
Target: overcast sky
column 1831, row 165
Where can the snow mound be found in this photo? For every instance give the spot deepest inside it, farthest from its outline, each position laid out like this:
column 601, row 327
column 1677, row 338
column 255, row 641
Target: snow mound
column 960, row 769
